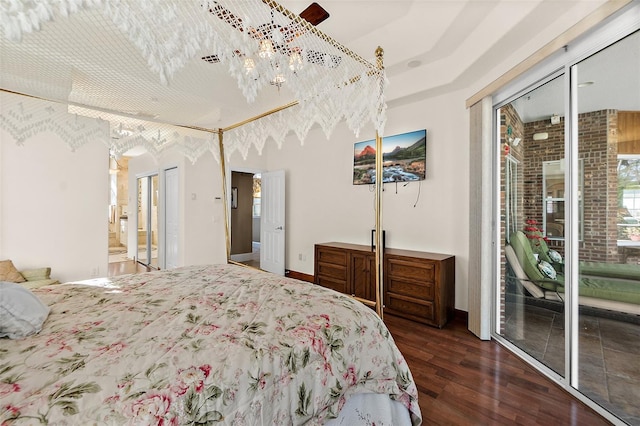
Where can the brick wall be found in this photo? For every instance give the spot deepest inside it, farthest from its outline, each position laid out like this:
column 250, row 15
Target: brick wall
column 597, row 147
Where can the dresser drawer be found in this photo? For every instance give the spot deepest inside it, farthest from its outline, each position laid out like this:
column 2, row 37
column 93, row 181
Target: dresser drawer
column 419, row 290
column 336, row 257
column 406, row 306
column 422, row 271
column 330, row 270
column 337, row 285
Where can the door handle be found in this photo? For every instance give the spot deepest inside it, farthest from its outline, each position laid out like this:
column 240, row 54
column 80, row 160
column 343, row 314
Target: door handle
column 279, row 228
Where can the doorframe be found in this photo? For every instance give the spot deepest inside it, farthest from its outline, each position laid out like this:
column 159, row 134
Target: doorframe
column 118, row 212
column 600, row 37
column 139, row 176
column 232, row 169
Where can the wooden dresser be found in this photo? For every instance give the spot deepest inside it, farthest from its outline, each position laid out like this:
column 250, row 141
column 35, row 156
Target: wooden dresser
column 417, row 285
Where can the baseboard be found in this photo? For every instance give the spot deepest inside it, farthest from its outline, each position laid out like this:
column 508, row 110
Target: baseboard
column 299, row 276
column 462, row 315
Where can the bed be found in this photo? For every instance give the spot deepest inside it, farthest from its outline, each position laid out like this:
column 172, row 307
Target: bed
column 215, row 344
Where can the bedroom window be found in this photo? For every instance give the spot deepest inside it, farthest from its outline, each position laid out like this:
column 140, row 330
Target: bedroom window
column 628, row 200
column 257, row 194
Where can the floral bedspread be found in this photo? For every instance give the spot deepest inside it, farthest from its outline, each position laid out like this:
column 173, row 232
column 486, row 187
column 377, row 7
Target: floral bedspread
column 218, row 344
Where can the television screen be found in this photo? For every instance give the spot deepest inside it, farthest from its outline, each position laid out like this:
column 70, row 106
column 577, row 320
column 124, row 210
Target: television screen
column 404, row 159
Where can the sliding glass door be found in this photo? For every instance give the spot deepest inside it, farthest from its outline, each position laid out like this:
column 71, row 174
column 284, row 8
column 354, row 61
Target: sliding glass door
column 568, row 290
column 606, row 91
column 147, row 233
column 532, row 207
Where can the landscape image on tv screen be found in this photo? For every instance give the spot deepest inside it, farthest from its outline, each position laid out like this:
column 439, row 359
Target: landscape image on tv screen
column 404, row 159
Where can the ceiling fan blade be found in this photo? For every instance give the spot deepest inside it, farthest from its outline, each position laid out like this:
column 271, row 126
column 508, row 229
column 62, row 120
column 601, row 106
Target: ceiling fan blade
column 314, row 14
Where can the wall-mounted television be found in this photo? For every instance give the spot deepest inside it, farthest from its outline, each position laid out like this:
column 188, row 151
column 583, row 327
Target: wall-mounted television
column 404, row 159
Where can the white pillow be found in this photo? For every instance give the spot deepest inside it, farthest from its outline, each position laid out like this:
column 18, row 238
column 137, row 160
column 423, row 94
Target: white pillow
column 21, row 312
column 555, row 256
column 547, row 269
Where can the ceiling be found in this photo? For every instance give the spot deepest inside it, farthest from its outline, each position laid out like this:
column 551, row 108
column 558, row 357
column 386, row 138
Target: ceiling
column 600, row 85
column 430, row 47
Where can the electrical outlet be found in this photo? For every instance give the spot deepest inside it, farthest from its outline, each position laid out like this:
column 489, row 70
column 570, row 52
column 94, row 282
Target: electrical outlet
column 95, row 272
column 299, row 256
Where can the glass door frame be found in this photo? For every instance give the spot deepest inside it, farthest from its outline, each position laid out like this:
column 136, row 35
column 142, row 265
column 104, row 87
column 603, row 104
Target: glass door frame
column 567, row 380
column 531, row 85
column 564, row 62
column 149, row 177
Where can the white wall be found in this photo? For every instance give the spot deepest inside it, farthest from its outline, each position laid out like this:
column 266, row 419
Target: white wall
column 204, row 212
column 54, row 201
column 54, row 205
column 323, row 205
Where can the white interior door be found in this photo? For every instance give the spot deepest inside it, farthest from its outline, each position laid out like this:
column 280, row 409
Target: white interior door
column 272, row 222
column 171, row 218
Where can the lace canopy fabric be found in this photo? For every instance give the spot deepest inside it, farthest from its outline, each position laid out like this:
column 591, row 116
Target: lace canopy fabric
column 259, row 43
column 24, row 117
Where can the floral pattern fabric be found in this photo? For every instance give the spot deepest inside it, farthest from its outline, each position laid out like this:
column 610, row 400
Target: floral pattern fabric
column 218, row 344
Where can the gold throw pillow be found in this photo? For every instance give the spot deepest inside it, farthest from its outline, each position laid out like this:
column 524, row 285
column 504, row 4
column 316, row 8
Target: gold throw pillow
column 9, row 273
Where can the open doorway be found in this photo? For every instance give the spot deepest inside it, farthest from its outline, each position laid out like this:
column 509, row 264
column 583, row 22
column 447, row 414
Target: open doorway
column 245, row 217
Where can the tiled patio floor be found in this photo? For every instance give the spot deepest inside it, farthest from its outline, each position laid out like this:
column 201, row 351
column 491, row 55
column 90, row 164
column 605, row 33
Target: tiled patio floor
column 609, row 354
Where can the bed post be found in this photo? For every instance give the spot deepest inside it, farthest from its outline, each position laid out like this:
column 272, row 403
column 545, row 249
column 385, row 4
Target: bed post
column 379, row 239
column 225, row 204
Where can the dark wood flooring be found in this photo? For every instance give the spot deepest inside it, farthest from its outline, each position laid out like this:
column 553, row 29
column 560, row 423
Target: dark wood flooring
column 463, row 380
